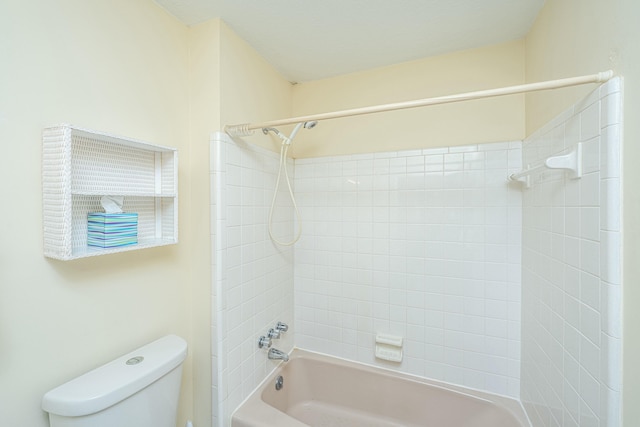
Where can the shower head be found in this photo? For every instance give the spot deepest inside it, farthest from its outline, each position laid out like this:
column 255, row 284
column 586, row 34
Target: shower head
column 307, row 125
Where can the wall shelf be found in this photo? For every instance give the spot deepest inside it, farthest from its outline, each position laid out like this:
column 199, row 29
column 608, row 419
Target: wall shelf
column 79, row 166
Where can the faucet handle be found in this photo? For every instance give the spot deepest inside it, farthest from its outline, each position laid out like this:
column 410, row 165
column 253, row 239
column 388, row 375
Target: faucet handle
column 264, row 342
column 273, row 333
column 282, row 327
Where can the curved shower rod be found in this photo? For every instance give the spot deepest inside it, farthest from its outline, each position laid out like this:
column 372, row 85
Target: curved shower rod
column 247, row 129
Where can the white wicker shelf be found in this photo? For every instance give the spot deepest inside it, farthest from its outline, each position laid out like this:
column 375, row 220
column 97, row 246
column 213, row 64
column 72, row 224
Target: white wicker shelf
column 79, row 166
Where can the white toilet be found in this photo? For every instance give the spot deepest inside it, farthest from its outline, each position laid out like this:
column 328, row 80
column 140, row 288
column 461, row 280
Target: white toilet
column 139, row 389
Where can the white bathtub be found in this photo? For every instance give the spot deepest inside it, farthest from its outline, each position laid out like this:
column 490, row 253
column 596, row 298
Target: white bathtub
column 321, row 391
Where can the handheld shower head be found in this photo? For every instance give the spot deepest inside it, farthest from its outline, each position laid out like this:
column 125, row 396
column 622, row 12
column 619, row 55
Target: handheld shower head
column 284, row 148
column 307, row 125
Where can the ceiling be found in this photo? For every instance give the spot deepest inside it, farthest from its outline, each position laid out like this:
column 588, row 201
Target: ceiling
column 308, row 40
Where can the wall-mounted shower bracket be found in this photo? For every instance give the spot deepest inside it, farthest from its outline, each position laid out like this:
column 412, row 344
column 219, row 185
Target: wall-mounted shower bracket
column 570, row 162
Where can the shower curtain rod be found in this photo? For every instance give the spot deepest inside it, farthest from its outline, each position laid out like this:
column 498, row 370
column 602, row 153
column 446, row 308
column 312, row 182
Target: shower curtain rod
column 247, row 129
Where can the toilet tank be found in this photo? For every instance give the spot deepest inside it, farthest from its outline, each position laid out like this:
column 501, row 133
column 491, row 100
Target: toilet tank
column 139, row 389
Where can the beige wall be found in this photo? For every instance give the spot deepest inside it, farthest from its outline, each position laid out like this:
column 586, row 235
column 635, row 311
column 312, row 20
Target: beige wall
column 569, row 38
column 114, row 65
column 489, row 120
column 252, row 90
column 574, row 37
column 204, row 115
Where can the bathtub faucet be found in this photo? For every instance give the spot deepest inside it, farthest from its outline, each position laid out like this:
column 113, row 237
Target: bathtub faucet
column 275, row 354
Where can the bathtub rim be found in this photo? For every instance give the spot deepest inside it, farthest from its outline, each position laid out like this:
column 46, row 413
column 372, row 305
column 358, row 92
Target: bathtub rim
column 509, row 404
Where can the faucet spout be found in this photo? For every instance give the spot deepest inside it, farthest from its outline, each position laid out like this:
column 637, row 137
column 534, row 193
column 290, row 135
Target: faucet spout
column 275, row 354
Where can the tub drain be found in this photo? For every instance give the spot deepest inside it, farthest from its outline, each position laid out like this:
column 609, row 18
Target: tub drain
column 279, row 382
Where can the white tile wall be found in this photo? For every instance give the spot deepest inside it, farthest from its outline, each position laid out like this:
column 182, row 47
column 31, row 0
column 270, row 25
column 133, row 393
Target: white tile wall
column 571, row 335
column 428, row 245
column 424, row 244
column 252, row 278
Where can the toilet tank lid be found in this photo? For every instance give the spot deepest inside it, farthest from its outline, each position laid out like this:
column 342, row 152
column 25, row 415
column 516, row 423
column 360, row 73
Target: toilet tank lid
column 109, row 384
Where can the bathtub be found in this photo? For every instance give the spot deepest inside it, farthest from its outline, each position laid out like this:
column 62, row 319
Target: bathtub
column 320, row 390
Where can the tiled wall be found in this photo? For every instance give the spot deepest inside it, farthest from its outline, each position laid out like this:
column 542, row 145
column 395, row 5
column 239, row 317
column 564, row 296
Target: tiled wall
column 252, row 278
column 423, row 244
column 571, row 336
column 427, row 245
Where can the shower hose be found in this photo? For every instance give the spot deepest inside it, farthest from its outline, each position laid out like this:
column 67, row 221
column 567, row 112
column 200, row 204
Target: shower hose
column 283, row 164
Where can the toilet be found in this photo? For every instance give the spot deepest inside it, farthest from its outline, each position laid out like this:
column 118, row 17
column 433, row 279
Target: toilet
column 139, row 389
